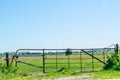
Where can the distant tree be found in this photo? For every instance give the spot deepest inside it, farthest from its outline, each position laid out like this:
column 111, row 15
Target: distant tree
column 68, row 52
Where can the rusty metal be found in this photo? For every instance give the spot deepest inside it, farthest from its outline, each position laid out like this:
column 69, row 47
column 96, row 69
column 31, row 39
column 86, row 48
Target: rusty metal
column 94, row 57
column 92, row 61
column 68, row 58
column 43, row 61
column 80, row 61
column 30, row 64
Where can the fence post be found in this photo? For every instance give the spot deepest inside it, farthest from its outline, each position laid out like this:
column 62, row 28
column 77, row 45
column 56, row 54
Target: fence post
column 92, row 61
column 68, row 61
column 43, row 61
column 56, row 61
column 7, row 59
column 81, row 61
column 116, row 48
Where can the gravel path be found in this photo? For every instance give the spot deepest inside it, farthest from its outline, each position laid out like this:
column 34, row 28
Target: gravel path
column 82, row 77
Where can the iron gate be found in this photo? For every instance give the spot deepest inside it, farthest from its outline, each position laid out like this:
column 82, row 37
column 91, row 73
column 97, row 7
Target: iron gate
column 80, row 60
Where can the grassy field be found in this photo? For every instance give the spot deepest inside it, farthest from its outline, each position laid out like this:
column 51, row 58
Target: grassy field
column 66, row 66
column 86, row 63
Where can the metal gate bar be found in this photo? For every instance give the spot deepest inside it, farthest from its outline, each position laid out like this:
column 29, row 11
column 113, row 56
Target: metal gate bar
column 68, row 58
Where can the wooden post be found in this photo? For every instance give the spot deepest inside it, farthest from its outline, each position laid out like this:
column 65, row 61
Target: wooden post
column 7, row 59
column 116, row 48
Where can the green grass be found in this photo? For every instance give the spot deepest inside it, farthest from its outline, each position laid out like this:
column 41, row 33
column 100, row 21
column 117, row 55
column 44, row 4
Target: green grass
column 74, row 63
column 26, row 72
column 106, row 74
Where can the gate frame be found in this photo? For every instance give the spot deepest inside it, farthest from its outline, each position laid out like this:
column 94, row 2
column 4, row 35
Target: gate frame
column 116, row 49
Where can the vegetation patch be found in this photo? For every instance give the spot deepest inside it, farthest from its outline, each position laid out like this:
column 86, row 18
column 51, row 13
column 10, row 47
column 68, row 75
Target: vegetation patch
column 106, row 74
column 113, row 62
column 26, row 72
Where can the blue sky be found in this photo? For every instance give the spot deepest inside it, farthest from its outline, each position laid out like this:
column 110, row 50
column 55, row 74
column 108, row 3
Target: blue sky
column 58, row 23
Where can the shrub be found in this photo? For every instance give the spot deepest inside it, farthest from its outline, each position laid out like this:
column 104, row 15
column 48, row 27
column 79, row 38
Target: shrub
column 113, row 62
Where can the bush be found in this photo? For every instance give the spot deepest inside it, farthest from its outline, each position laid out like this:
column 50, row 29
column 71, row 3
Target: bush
column 113, row 62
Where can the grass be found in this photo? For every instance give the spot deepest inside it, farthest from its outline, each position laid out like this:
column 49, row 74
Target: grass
column 53, row 64
column 26, row 72
column 106, row 74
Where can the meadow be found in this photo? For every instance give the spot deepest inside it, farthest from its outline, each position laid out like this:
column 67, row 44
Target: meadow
column 56, row 66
